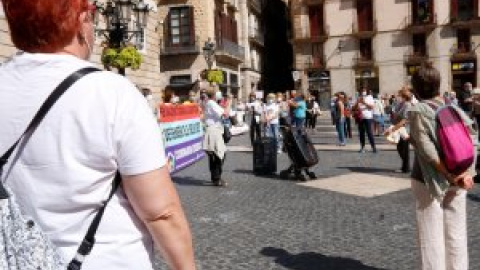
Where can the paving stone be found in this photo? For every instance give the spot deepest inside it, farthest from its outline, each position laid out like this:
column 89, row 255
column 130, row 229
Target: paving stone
column 263, row 223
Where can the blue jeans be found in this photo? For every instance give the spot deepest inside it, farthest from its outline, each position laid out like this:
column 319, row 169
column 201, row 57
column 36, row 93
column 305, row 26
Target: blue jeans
column 365, row 126
column 273, row 131
column 298, row 122
column 340, row 125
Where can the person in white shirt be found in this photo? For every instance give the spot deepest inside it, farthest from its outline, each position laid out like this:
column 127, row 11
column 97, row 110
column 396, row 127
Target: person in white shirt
column 213, row 142
column 100, row 126
column 272, row 122
column 378, row 116
column 255, row 110
column 365, row 105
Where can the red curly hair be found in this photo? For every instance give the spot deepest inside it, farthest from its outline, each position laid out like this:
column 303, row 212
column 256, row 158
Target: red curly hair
column 43, row 26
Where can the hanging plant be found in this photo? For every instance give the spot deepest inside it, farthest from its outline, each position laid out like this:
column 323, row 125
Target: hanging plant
column 215, row 76
column 126, row 57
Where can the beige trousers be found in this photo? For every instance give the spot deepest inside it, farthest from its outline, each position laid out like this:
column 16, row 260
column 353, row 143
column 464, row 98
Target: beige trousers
column 442, row 229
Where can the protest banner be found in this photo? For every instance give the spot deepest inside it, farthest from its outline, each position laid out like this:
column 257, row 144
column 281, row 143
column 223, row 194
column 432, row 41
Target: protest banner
column 182, row 135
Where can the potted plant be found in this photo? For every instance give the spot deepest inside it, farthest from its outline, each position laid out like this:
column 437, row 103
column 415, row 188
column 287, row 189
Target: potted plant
column 121, row 58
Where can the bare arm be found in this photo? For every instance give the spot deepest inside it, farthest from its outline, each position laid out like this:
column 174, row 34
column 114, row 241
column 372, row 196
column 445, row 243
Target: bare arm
column 156, row 202
column 427, row 149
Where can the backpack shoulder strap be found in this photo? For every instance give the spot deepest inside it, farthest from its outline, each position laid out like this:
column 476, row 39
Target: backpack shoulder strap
column 42, row 112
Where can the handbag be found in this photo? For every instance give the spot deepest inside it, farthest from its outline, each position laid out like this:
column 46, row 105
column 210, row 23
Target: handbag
column 23, row 244
column 227, row 135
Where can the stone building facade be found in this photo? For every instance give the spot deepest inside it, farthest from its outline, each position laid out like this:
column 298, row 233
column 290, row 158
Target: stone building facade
column 252, row 38
column 148, row 76
column 235, row 28
column 343, row 45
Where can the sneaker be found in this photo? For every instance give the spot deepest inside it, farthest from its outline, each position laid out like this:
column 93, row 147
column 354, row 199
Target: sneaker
column 222, row 183
column 361, row 151
column 279, row 151
column 374, row 150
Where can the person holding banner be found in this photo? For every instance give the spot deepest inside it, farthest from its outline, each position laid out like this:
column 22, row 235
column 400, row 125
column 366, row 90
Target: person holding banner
column 213, row 143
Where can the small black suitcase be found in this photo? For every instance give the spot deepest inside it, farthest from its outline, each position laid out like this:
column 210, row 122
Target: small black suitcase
column 265, row 156
column 300, row 148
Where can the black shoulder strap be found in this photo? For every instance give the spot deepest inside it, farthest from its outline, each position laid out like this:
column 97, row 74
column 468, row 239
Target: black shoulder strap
column 89, row 240
column 49, row 102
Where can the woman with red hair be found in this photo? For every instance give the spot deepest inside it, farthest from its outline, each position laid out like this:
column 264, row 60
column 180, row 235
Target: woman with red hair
column 100, row 126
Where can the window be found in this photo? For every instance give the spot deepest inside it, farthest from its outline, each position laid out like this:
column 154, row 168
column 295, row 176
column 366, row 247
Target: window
column 464, row 10
column 365, row 15
column 180, row 29
column 419, row 44
column 366, row 49
column 423, row 11
column 181, row 79
column 464, row 40
column 225, row 27
column 315, row 14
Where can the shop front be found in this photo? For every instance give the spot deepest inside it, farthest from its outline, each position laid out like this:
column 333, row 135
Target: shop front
column 463, row 72
column 319, row 86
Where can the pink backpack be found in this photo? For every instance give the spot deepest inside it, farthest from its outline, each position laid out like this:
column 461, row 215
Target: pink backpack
column 453, row 139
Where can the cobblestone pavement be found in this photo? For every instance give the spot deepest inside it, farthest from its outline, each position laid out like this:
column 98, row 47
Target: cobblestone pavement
column 260, row 223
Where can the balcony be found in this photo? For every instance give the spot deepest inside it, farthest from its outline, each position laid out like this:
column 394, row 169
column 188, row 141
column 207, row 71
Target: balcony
column 313, row 2
column 365, row 30
column 416, row 25
column 167, row 48
column 463, row 52
column 363, row 61
column 415, row 57
column 464, row 23
column 255, row 5
column 321, row 37
column 228, row 51
column 256, row 36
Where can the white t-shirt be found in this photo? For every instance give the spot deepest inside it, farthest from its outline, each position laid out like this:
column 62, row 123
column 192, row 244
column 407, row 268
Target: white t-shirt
column 213, row 113
column 378, row 109
column 272, row 109
column 367, row 113
column 64, row 173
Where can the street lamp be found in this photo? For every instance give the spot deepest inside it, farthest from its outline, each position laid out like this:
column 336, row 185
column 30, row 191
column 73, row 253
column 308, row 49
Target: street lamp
column 117, row 16
column 209, row 53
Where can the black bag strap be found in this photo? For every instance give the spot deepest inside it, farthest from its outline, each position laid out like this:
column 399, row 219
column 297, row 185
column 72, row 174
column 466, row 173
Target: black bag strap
column 49, row 102
column 89, row 240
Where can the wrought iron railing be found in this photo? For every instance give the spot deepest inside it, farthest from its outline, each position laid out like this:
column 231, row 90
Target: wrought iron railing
column 170, row 48
column 231, row 48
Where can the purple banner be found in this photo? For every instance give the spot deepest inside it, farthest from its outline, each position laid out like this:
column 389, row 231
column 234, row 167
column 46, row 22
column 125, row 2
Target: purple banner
column 184, row 154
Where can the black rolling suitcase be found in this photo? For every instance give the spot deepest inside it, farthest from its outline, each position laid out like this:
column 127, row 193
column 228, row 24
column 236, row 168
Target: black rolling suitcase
column 301, row 152
column 300, row 148
column 265, row 156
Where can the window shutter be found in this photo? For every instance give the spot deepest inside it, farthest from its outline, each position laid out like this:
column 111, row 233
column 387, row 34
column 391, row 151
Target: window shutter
column 453, row 9
column 224, row 29
column 313, row 17
column 192, row 25
column 361, row 15
column 415, row 14
column 167, row 30
column 432, row 11
column 235, row 31
column 475, row 9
